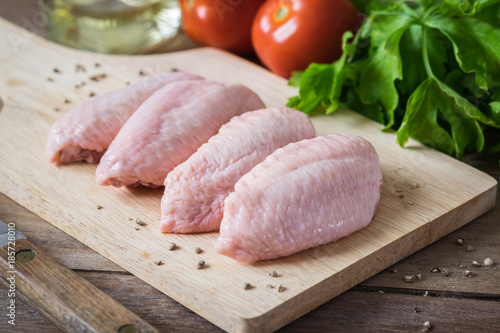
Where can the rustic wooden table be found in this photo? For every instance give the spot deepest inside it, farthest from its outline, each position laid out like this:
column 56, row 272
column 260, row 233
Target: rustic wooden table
column 382, row 303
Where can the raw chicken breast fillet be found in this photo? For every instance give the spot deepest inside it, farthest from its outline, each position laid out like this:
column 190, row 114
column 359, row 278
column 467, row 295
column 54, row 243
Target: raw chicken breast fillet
column 84, row 133
column 303, row 195
column 168, row 128
column 195, row 190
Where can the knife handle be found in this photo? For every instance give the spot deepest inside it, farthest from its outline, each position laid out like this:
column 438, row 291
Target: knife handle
column 70, row 301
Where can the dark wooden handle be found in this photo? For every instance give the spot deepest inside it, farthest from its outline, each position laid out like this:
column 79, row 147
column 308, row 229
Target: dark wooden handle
column 70, row 301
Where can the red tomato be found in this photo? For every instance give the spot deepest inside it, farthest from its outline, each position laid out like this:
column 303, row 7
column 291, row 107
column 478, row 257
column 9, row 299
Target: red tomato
column 225, row 24
column 290, row 34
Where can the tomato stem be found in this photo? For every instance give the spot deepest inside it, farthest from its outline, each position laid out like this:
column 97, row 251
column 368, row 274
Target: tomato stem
column 281, row 13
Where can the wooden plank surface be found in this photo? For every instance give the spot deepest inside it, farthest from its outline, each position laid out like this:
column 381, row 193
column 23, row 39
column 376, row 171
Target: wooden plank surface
column 73, row 303
column 361, row 309
column 422, row 221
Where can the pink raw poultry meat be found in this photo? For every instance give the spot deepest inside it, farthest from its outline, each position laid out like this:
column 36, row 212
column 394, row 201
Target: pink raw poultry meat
column 195, row 190
column 168, row 128
column 303, row 195
column 84, row 133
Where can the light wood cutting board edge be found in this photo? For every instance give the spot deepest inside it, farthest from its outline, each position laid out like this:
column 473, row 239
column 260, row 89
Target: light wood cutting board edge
column 325, row 289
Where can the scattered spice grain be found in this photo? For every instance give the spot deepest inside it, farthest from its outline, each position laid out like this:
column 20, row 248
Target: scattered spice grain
column 281, row 288
column 247, row 286
column 97, row 64
column 445, row 272
column 56, row 109
column 138, row 221
column 461, row 265
column 475, row 263
column 197, row 250
column 56, row 70
column 273, row 274
column 270, row 286
column 459, row 241
column 435, row 270
column 427, row 327
column 158, row 262
column 200, row 264
column 66, row 101
column 171, row 246
column 468, row 274
column 91, row 94
column 394, row 270
column 419, row 277
column 80, row 68
column 488, row 262
column 137, row 228
column 409, row 278
column 469, row 248
column 99, row 207
column 174, row 69
column 401, row 196
column 98, row 77
column 50, row 79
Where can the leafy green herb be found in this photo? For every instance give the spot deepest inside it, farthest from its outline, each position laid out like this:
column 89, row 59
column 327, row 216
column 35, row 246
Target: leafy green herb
column 429, row 69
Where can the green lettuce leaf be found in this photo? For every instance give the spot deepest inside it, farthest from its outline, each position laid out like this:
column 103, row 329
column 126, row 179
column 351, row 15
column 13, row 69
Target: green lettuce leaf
column 315, row 87
column 476, row 45
column 429, row 69
column 463, row 118
column 495, row 112
column 377, row 76
column 420, row 121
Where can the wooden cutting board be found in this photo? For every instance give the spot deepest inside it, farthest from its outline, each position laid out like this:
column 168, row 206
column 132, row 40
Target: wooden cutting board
column 425, row 194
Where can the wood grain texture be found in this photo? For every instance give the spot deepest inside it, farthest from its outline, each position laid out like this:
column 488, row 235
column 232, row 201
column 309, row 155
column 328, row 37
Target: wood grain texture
column 361, row 309
column 67, row 196
column 482, row 235
column 353, row 311
column 71, row 302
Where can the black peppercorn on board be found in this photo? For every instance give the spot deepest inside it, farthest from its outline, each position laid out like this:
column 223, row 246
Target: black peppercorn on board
column 425, row 194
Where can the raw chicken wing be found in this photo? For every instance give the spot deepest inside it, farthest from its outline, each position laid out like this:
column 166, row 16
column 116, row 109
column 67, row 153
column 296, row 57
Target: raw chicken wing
column 84, row 133
column 303, row 195
column 168, row 128
column 195, row 190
